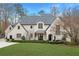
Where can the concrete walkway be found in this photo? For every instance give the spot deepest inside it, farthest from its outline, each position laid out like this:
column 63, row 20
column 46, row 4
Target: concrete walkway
column 3, row 43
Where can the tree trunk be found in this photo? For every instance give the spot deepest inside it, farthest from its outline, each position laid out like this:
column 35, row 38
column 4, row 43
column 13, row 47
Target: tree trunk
column 73, row 41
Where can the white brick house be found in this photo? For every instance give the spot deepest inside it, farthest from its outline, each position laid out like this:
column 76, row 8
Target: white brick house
column 44, row 27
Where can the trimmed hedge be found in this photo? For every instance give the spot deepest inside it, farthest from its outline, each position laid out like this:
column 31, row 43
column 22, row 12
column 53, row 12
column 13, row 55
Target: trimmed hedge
column 39, row 41
column 30, row 41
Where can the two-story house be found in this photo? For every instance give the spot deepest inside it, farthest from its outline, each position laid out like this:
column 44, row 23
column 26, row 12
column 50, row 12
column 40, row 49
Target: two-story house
column 45, row 27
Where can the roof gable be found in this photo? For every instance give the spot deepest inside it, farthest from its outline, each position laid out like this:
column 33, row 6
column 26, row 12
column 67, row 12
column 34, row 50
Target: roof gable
column 57, row 21
column 15, row 28
column 7, row 30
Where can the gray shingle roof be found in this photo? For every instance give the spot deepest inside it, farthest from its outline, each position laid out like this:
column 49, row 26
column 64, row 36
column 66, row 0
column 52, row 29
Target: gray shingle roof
column 47, row 19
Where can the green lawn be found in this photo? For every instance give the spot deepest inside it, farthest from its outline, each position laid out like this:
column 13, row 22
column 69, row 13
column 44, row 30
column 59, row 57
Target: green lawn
column 38, row 49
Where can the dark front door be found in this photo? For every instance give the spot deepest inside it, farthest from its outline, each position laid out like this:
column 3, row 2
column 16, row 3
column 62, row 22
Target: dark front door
column 50, row 37
column 40, row 36
column 10, row 36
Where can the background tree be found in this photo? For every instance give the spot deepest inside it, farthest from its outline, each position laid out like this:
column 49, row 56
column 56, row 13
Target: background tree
column 54, row 10
column 41, row 12
column 19, row 10
column 6, row 11
column 11, row 11
column 71, row 24
column 67, row 12
column 20, row 13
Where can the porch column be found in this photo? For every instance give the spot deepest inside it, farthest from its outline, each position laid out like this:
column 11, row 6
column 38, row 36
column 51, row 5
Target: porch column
column 35, row 36
column 44, row 37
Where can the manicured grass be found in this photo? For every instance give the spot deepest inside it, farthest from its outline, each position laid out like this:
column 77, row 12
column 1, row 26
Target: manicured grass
column 39, row 49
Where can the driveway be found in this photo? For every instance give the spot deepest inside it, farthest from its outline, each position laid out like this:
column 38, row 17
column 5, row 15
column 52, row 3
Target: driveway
column 3, row 43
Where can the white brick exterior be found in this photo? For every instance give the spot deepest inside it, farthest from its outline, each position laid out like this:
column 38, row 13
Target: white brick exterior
column 14, row 32
column 26, row 31
column 52, row 29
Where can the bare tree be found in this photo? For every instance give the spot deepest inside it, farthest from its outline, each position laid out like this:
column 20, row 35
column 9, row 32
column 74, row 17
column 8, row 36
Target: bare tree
column 54, row 10
column 20, row 13
column 11, row 11
column 71, row 24
column 67, row 12
column 6, row 11
column 19, row 10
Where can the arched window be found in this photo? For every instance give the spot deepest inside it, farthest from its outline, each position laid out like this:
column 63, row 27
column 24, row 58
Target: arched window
column 40, row 25
column 18, row 27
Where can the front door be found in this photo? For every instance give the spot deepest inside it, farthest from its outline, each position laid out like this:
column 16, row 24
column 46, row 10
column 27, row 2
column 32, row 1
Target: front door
column 10, row 36
column 50, row 37
column 40, row 36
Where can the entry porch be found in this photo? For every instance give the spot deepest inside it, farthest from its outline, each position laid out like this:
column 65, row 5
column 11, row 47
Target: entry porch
column 40, row 35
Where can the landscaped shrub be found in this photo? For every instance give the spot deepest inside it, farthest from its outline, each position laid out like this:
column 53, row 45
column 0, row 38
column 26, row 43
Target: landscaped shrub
column 57, row 42
column 7, row 40
column 23, row 37
column 12, row 39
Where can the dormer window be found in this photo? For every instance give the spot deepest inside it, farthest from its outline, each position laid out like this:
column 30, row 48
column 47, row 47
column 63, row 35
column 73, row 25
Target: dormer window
column 40, row 25
column 10, row 28
column 18, row 27
column 31, row 26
